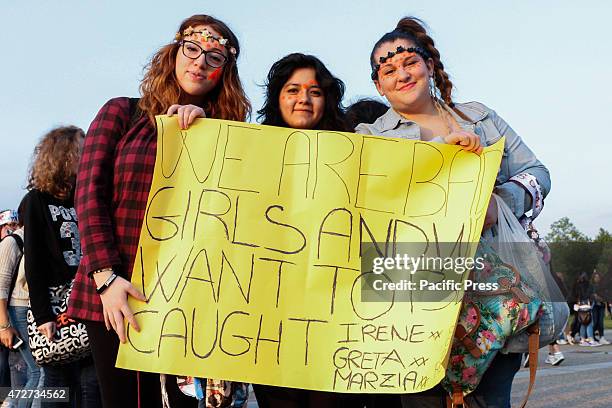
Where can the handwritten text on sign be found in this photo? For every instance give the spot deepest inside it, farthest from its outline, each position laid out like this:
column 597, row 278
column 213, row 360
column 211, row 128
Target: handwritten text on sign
column 250, row 255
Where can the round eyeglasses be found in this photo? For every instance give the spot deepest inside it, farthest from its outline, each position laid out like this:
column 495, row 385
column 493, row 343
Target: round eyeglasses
column 213, row 58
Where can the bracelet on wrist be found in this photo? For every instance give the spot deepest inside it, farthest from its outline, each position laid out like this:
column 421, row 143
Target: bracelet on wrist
column 106, row 284
column 5, row 326
column 101, row 270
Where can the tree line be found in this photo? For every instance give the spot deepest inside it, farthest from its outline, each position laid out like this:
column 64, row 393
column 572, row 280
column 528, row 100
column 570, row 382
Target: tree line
column 573, row 253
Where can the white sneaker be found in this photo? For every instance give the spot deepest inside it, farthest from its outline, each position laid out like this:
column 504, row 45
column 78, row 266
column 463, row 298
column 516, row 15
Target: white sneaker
column 561, row 342
column 591, row 342
column 555, row 359
column 603, row 341
column 584, row 343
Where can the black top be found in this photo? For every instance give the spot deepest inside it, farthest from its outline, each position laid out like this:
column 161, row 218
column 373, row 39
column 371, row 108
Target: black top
column 52, row 248
column 583, row 292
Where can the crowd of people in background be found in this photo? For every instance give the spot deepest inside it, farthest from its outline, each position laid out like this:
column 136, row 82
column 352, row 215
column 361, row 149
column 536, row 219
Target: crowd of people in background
column 76, row 231
column 590, row 309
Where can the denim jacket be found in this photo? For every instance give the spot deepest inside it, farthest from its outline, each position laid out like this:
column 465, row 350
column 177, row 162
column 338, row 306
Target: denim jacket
column 483, row 121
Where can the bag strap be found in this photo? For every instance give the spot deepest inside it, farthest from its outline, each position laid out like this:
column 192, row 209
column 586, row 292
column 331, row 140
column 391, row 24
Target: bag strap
column 19, row 242
column 462, row 334
column 534, row 346
column 135, row 112
column 508, row 287
column 456, row 400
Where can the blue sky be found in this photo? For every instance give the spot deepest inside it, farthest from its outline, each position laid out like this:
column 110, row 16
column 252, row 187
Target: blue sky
column 543, row 66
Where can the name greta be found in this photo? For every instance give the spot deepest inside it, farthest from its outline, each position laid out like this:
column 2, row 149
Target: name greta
column 445, row 285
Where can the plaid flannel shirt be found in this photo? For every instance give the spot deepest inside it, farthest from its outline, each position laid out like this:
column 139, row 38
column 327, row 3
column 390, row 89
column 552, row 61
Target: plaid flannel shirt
column 114, row 177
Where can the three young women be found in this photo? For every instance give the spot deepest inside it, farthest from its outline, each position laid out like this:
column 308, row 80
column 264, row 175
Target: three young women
column 196, row 75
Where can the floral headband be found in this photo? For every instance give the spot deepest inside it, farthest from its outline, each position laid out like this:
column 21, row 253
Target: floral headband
column 204, row 36
column 417, row 50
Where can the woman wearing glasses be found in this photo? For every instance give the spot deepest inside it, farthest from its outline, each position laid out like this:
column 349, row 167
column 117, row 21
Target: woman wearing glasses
column 196, row 75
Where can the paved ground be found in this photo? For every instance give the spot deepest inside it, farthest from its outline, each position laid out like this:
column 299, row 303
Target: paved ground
column 583, row 380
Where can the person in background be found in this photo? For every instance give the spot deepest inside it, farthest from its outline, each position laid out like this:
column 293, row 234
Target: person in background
column 599, row 308
column 9, row 222
column 574, row 327
column 365, row 110
column 555, row 356
column 583, row 294
column 52, row 251
column 563, row 339
column 14, row 298
column 194, row 75
column 12, row 370
column 407, row 70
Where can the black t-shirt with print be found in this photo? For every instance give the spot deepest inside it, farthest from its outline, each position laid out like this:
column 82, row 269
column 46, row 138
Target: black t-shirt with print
column 52, row 248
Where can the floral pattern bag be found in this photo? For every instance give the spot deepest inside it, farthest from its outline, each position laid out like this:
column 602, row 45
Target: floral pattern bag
column 488, row 318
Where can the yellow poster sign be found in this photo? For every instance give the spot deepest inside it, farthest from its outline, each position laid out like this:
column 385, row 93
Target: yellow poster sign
column 250, row 255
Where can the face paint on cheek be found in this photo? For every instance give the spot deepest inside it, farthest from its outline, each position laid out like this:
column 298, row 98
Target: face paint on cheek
column 214, row 76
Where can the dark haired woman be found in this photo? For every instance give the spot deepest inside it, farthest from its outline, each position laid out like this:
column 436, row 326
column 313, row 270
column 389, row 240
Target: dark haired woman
column 194, row 75
column 365, row 110
column 599, row 308
column 301, row 93
column 583, row 292
column 407, row 70
column 52, row 251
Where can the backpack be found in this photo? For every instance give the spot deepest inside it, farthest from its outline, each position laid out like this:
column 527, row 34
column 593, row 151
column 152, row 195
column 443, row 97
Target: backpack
column 584, row 313
column 135, row 112
column 488, row 319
